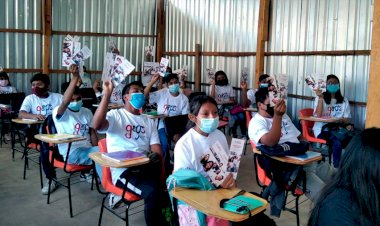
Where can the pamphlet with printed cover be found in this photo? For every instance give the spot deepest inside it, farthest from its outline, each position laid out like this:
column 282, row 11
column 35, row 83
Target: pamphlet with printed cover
column 316, row 81
column 71, row 46
column 278, row 88
column 244, row 74
column 149, row 52
column 60, row 136
column 116, row 68
column 148, row 70
column 163, row 66
column 217, row 164
column 123, row 156
column 182, row 73
column 210, row 73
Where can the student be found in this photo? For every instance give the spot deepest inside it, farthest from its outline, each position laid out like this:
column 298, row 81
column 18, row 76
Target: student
column 249, row 96
column 5, row 84
column 224, row 95
column 71, row 118
column 170, row 102
column 272, row 126
column 331, row 104
column 201, row 136
column 353, row 195
column 127, row 129
column 38, row 106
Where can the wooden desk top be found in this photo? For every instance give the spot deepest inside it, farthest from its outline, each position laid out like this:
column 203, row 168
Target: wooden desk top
column 316, row 119
column 291, row 160
column 27, row 121
column 251, row 109
column 208, row 202
column 158, row 116
column 111, row 106
column 42, row 137
column 97, row 157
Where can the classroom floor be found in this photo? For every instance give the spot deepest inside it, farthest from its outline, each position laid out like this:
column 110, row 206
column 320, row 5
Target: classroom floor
column 21, row 201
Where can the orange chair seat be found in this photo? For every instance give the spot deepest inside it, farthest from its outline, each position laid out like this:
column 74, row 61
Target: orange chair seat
column 222, row 124
column 69, row 167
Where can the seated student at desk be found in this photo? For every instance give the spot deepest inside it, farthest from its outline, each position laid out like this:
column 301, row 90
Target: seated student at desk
column 170, row 102
column 71, row 118
column 332, row 104
column 38, row 106
column 127, row 129
column 272, row 126
column 5, row 84
column 203, row 133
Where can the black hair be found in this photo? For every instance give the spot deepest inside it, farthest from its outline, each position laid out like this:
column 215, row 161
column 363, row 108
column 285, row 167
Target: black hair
column 263, row 77
column 41, row 77
column 65, row 85
column 338, row 94
column 4, row 74
column 195, row 106
column 170, row 77
column 84, row 69
column 261, row 95
column 358, row 173
column 221, row 73
column 128, row 87
column 169, row 70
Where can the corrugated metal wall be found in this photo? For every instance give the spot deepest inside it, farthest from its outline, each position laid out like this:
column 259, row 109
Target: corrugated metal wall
column 219, row 26
column 23, row 51
column 18, row 50
column 295, row 25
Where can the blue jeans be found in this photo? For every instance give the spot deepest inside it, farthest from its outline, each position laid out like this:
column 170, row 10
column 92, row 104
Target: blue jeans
column 164, row 142
column 335, row 144
column 79, row 156
column 239, row 119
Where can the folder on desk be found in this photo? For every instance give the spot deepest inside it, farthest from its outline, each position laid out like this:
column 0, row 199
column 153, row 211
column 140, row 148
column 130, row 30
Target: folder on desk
column 58, row 137
column 123, row 156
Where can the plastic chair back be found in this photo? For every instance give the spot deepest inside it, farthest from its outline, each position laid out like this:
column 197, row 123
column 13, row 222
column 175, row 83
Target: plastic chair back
column 307, row 126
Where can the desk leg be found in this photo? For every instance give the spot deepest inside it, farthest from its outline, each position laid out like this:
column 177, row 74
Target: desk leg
column 175, row 206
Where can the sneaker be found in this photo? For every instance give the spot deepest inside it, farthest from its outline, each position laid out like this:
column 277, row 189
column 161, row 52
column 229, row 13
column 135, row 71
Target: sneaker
column 86, row 177
column 114, row 201
column 53, row 187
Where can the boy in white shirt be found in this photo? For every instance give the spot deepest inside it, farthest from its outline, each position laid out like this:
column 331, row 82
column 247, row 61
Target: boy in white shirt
column 71, row 118
column 128, row 129
column 170, row 102
column 38, row 106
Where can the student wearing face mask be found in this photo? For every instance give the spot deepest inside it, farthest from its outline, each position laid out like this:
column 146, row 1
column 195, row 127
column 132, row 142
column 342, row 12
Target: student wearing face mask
column 5, row 84
column 170, row 101
column 332, row 104
column 188, row 152
column 248, row 97
column 71, row 118
column 127, row 129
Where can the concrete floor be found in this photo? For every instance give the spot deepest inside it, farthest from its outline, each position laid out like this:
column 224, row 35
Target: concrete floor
column 21, row 201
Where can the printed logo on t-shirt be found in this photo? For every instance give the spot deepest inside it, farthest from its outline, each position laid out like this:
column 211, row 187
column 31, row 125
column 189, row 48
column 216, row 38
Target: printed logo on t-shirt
column 170, row 108
column 284, row 128
column 222, row 96
column 134, row 132
column 44, row 109
column 116, row 95
column 80, row 129
column 334, row 110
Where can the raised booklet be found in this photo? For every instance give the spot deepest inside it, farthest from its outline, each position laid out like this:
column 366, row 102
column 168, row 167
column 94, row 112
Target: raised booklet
column 308, row 155
column 123, row 156
column 61, row 136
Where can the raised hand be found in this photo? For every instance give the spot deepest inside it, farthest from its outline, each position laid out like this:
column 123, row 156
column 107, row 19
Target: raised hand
column 229, row 182
column 74, row 70
column 280, row 107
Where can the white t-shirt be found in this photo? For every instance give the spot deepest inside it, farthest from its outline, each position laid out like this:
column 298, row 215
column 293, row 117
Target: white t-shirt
column 86, row 83
column 223, row 93
column 260, row 125
column 127, row 131
column 7, row 89
column 191, row 146
column 169, row 104
column 44, row 106
column 77, row 123
column 332, row 110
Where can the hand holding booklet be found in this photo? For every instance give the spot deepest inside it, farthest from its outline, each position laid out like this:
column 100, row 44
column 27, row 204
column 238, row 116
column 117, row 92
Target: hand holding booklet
column 123, row 156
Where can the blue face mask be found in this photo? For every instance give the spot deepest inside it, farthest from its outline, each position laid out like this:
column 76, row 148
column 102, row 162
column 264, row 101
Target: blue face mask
column 166, row 74
column 333, row 88
column 264, row 85
column 209, row 125
column 174, row 88
column 75, row 106
column 137, row 100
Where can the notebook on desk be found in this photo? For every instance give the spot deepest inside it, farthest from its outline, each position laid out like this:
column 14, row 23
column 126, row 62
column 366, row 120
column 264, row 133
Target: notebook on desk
column 123, row 156
column 308, row 155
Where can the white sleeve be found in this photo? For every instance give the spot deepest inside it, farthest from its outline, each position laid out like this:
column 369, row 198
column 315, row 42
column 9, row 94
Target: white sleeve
column 347, row 111
column 232, row 93
column 251, row 96
column 185, row 109
column 111, row 117
column 154, row 139
column 257, row 128
column 182, row 158
column 27, row 104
